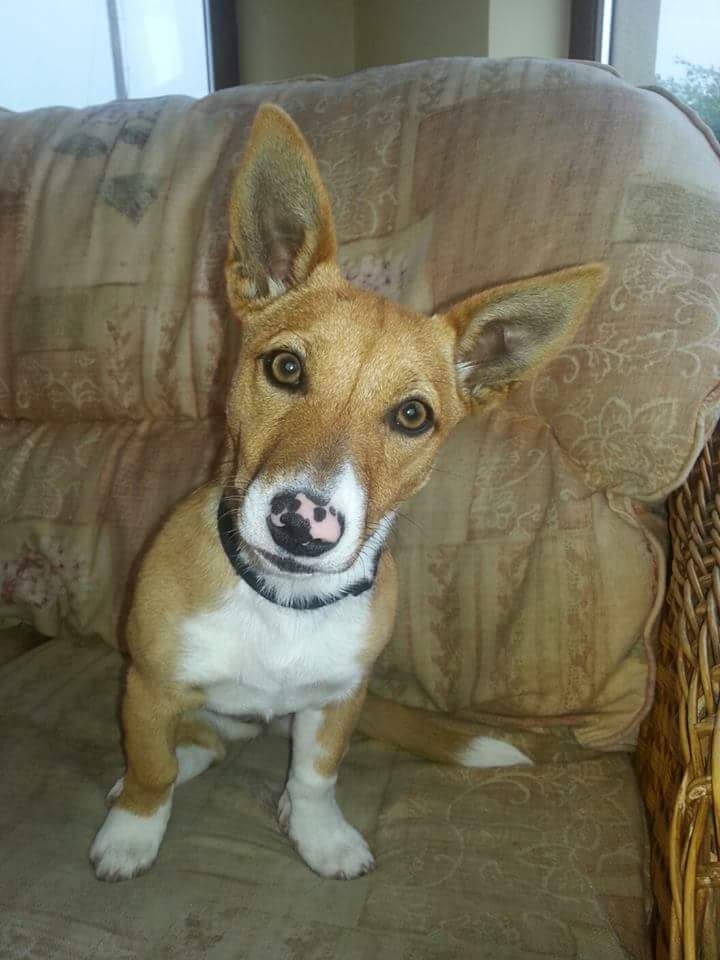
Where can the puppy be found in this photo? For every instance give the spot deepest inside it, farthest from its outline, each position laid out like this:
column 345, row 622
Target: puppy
column 271, row 592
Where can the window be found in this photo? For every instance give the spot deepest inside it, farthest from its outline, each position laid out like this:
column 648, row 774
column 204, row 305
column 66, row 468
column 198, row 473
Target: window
column 673, row 43
column 687, row 61
column 80, row 52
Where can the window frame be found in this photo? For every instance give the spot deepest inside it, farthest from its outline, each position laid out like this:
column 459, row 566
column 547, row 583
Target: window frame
column 588, row 38
column 221, row 40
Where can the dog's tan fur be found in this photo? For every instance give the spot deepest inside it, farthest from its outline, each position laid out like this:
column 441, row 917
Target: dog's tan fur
column 364, row 355
column 156, row 713
column 424, row 733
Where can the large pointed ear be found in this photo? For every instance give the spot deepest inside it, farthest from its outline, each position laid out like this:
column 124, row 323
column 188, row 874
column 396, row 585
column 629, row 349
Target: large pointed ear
column 505, row 333
column 280, row 219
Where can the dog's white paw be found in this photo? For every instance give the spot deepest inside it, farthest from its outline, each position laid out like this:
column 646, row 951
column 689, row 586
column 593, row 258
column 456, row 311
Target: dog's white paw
column 330, row 847
column 127, row 845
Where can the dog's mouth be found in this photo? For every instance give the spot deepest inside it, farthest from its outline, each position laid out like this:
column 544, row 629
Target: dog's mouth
column 268, row 561
column 290, row 566
column 285, row 564
column 303, row 531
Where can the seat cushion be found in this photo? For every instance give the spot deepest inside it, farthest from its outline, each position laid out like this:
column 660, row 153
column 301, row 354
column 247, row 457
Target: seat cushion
column 527, row 862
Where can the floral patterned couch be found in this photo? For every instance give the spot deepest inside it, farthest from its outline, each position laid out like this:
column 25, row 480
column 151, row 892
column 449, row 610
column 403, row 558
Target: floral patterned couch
column 528, row 605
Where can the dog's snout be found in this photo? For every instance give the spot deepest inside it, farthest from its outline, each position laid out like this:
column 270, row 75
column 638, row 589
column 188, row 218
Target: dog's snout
column 304, row 524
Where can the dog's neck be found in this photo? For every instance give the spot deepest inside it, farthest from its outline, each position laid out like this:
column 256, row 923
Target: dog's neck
column 309, row 592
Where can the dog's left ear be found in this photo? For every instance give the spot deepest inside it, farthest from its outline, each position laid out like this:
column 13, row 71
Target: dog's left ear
column 505, row 333
column 281, row 224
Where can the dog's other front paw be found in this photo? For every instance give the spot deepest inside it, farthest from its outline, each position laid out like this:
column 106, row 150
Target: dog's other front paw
column 332, row 849
column 127, row 844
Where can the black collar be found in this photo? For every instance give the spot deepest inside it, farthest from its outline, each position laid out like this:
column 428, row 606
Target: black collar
column 228, row 536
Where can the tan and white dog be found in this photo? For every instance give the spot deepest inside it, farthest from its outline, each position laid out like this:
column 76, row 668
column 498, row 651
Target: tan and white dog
column 270, row 592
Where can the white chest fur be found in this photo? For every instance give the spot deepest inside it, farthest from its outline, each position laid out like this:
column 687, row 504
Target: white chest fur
column 251, row 656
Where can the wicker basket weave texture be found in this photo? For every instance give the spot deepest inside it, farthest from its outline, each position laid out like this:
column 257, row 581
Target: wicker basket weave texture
column 679, row 749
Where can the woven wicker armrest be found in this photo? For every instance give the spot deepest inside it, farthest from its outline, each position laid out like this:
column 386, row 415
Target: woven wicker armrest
column 678, row 757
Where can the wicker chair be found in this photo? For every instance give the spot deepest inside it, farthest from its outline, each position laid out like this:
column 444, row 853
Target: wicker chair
column 679, row 750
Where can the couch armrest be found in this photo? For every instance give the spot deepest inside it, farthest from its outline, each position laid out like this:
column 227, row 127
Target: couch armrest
column 678, row 756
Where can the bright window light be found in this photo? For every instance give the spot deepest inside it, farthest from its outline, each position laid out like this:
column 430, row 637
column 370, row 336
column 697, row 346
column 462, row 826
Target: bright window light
column 81, row 52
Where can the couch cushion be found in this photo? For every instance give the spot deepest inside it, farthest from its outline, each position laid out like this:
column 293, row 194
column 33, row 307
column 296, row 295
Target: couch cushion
column 539, row 862
column 81, row 500
column 530, row 572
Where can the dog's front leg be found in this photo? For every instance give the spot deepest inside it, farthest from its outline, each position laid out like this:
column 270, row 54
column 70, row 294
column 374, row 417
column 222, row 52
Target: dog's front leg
column 308, row 809
column 129, row 839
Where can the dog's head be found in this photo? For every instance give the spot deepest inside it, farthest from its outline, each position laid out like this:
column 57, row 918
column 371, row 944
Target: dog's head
column 341, row 398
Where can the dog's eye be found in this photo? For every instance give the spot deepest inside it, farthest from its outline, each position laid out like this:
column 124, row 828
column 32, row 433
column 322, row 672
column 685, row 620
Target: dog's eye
column 284, row 368
column 412, row 417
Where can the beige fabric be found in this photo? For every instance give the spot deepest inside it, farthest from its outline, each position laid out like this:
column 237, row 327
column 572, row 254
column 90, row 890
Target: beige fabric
column 541, row 862
column 528, row 576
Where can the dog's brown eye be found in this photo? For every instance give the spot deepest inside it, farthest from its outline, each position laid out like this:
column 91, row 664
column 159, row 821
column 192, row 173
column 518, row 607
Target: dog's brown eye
column 412, row 416
column 284, row 368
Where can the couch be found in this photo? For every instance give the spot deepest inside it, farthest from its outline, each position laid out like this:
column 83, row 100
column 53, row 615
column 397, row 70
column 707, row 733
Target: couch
column 530, row 600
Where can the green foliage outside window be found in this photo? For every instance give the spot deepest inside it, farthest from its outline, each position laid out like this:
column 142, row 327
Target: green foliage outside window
column 699, row 89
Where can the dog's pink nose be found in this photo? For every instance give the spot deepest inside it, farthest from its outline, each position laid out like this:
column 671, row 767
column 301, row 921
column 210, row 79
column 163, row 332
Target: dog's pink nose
column 303, row 525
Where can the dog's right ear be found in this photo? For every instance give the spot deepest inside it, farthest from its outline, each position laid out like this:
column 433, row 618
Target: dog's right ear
column 506, row 332
column 281, row 224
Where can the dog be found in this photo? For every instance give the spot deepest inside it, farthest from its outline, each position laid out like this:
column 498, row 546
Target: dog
column 270, row 592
